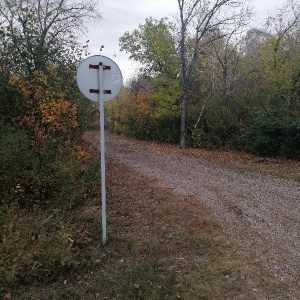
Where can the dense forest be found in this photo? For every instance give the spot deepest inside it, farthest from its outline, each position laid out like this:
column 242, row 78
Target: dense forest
column 211, row 80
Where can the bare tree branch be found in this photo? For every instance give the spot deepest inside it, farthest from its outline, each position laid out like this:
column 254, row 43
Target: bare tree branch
column 199, row 18
column 39, row 28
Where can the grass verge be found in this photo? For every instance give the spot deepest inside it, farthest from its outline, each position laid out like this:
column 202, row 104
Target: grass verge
column 160, row 246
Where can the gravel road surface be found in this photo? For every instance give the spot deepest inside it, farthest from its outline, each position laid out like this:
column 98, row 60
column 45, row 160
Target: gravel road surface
column 262, row 213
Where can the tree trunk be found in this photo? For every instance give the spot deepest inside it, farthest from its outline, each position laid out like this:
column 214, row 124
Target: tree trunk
column 183, row 118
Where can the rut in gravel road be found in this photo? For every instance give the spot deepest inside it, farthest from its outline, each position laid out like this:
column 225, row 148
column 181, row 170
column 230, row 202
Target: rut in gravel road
column 262, row 213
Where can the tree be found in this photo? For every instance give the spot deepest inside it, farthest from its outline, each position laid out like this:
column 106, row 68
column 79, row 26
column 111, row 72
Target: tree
column 227, row 51
column 154, row 46
column 216, row 73
column 38, row 32
column 199, row 18
column 271, row 60
column 286, row 21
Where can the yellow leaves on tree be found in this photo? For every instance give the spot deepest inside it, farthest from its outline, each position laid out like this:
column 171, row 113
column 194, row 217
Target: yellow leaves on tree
column 141, row 105
column 48, row 114
column 135, row 107
column 138, row 112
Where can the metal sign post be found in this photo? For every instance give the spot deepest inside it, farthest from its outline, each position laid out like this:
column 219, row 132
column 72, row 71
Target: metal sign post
column 102, row 151
column 108, row 82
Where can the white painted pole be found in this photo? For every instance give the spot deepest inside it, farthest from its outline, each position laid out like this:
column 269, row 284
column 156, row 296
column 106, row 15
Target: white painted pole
column 88, row 83
column 102, row 150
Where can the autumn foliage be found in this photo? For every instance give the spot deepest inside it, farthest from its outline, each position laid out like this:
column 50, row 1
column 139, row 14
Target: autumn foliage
column 45, row 166
column 48, row 114
column 241, row 90
column 46, row 169
column 148, row 109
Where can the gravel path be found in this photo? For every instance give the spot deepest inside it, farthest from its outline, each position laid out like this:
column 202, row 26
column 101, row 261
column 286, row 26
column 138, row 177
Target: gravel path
column 262, row 213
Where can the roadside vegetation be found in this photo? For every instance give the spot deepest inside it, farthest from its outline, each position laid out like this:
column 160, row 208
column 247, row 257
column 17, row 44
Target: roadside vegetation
column 45, row 170
column 240, row 84
column 160, row 245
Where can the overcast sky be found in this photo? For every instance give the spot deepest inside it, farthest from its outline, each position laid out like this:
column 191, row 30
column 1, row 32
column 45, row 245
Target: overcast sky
column 120, row 16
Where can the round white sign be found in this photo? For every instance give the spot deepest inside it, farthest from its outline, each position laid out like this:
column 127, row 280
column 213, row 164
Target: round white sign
column 88, row 78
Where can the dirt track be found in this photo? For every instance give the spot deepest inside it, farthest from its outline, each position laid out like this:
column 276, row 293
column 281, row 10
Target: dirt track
column 262, row 213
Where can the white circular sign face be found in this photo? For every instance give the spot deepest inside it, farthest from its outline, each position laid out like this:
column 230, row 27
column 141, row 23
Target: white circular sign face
column 88, row 78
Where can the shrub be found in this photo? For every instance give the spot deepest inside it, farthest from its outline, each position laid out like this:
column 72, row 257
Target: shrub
column 17, row 163
column 49, row 176
column 273, row 134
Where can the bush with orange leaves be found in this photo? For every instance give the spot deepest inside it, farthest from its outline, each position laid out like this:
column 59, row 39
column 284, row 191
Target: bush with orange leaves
column 52, row 167
column 48, row 114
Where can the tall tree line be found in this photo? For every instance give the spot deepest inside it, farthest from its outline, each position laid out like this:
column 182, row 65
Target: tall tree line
column 231, row 86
